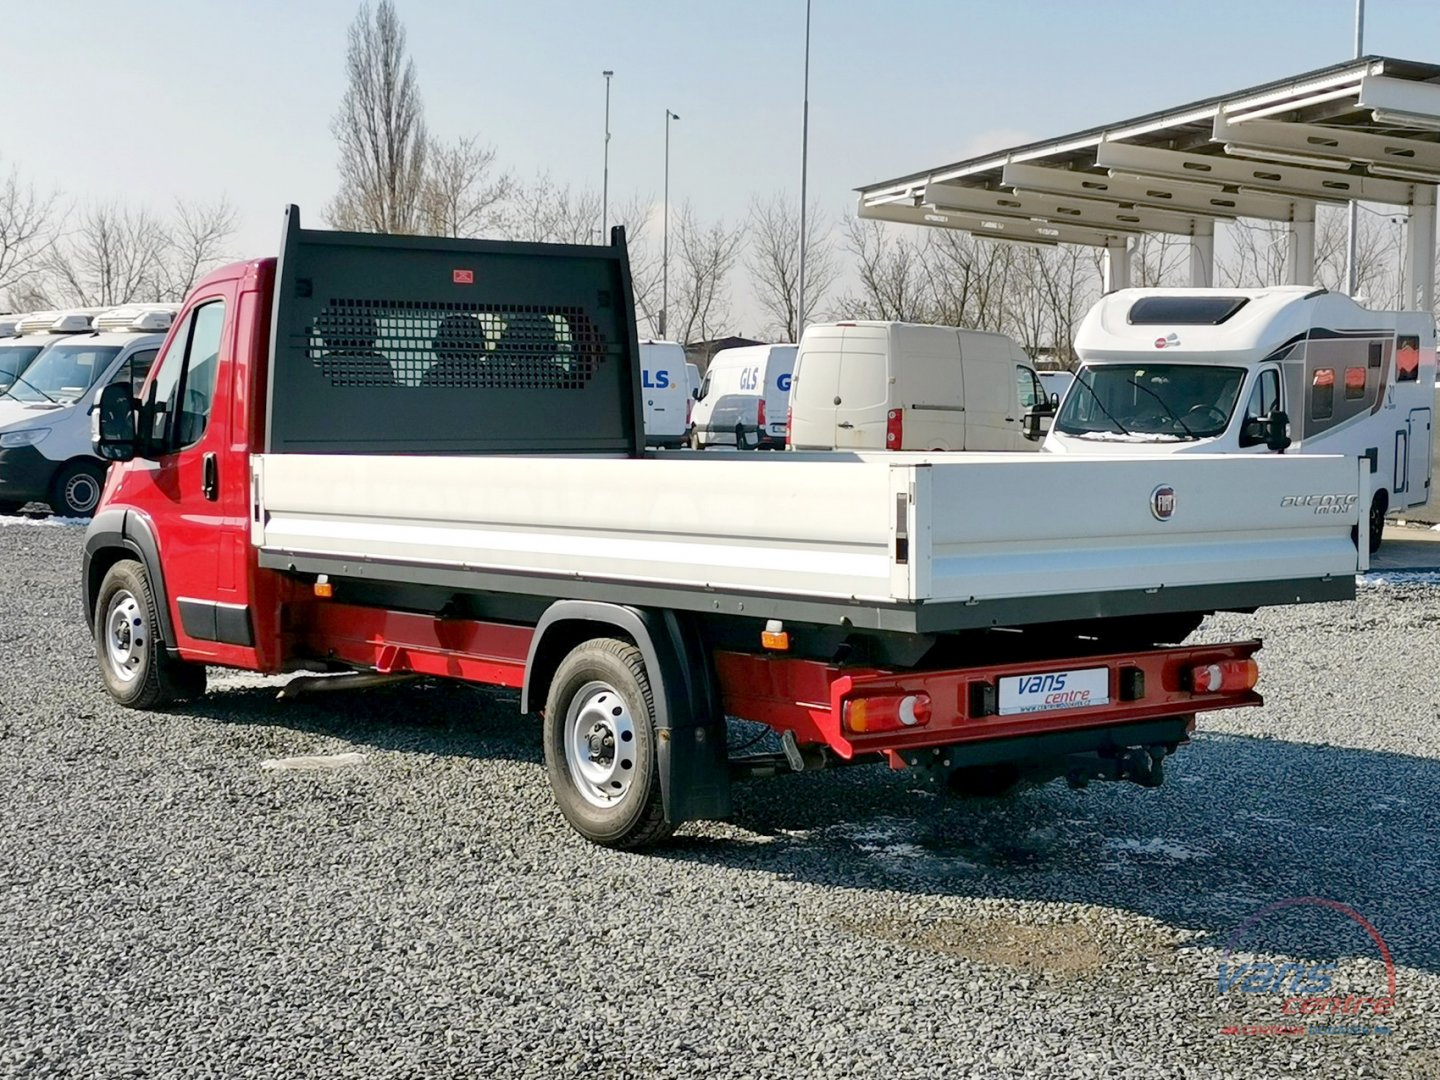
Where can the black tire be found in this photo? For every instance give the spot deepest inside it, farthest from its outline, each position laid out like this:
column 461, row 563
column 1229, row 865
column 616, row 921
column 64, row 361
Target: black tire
column 1379, row 506
column 76, row 490
column 599, row 690
column 137, row 671
column 9, row 507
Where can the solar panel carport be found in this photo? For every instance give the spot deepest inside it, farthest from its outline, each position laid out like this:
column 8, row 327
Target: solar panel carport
column 1367, row 130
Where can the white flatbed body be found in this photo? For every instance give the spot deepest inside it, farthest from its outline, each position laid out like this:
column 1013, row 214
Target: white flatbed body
column 909, row 542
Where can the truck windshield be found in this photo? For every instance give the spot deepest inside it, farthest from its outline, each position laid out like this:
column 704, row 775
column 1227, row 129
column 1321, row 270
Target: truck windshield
column 1150, row 402
column 63, row 373
column 13, row 359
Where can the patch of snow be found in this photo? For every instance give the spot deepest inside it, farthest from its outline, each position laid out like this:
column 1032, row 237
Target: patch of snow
column 1155, row 846
column 1398, row 577
column 1131, row 437
column 315, row 762
column 44, row 522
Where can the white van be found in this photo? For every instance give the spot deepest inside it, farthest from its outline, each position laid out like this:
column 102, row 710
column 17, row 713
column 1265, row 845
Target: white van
column 1204, row 371
column 906, row 386
column 744, row 398
column 21, row 339
column 666, row 387
column 45, row 452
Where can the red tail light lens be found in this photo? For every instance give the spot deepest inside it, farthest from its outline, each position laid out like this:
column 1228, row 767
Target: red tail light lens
column 760, row 415
column 865, row 715
column 789, row 418
column 1226, row 677
column 894, row 429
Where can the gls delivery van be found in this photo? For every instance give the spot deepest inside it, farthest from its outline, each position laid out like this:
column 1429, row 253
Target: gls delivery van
column 1255, row 371
column 906, row 386
column 745, row 390
column 45, row 451
column 666, row 386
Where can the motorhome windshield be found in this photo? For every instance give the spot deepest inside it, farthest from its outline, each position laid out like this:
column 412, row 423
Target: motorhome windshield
column 13, row 359
column 1150, row 402
column 63, row 373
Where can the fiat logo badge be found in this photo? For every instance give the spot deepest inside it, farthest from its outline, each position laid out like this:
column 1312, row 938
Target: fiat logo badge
column 1162, row 502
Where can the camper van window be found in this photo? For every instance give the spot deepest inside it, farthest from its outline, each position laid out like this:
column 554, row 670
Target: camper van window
column 1151, row 402
column 1184, row 310
column 1354, row 383
column 1407, row 358
column 1322, row 394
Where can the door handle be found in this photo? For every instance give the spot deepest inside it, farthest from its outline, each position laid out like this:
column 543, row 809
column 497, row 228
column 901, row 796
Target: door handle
column 210, row 477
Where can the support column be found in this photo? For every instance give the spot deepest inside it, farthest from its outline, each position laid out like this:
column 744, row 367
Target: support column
column 1420, row 251
column 1117, row 264
column 1300, row 246
column 1202, row 255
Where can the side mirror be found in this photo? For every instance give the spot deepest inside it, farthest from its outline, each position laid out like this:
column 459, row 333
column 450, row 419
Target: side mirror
column 1054, row 401
column 1031, row 424
column 112, row 423
column 1278, row 434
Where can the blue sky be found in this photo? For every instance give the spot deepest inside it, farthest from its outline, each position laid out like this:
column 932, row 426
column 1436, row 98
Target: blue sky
column 164, row 99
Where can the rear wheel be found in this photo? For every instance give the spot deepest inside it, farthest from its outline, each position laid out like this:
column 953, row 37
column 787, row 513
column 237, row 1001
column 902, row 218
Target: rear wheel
column 600, row 746
column 76, row 491
column 133, row 662
column 1379, row 506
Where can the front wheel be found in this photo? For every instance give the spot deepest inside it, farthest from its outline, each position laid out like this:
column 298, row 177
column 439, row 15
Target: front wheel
column 76, row 491
column 600, row 746
column 133, row 662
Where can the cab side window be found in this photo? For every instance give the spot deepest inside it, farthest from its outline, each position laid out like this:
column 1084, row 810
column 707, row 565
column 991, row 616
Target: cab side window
column 136, row 368
column 1031, row 393
column 184, row 387
column 1265, row 398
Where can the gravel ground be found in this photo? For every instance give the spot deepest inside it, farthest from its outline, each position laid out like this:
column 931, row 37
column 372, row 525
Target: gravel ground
column 168, row 907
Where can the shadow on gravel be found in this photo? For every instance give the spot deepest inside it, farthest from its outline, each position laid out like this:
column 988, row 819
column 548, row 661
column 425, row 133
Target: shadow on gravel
column 1240, row 823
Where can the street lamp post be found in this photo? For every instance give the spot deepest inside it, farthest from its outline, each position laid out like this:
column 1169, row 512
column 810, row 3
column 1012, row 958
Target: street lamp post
column 665, row 245
column 605, row 182
column 1352, row 245
column 804, row 164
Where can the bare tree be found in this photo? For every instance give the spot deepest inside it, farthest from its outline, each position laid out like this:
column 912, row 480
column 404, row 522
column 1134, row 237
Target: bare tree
column 701, row 289
column 546, row 212
column 635, row 215
column 114, row 254
column 1158, row 259
column 892, row 279
column 27, row 232
column 381, row 130
column 1375, row 249
column 1257, row 254
column 774, row 262
column 463, row 195
column 195, row 242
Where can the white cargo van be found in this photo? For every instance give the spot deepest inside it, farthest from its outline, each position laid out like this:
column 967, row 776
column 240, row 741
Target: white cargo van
column 906, row 386
column 666, row 386
column 744, row 398
column 1205, row 370
column 45, row 452
column 21, row 339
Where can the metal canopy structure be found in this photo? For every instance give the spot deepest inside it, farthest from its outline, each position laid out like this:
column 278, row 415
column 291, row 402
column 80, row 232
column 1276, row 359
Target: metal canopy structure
column 1364, row 131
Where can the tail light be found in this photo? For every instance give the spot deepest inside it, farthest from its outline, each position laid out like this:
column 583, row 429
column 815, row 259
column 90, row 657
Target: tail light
column 894, row 429
column 1226, row 677
column 789, row 419
column 689, row 410
column 896, row 712
column 760, row 415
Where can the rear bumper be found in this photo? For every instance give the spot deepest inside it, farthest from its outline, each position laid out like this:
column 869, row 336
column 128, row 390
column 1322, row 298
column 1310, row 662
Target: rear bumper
column 720, row 435
column 809, row 699
column 25, row 474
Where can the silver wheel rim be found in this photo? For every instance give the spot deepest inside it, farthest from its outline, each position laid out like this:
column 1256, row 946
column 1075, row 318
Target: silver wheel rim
column 600, row 744
column 82, row 492
column 127, row 639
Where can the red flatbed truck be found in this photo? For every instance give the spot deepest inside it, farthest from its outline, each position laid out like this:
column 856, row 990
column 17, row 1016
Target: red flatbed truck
column 417, row 456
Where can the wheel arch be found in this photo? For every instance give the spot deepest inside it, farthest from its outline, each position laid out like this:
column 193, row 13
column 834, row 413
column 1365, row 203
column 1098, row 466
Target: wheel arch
column 112, row 536
column 690, row 724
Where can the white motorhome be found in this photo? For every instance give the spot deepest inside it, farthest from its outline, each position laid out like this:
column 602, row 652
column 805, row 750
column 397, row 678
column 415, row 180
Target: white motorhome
column 744, row 397
column 666, row 388
column 1204, row 370
column 45, row 451
column 907, row 386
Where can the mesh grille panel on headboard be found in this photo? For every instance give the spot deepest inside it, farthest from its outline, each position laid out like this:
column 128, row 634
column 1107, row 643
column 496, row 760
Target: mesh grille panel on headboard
column 401, row 343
